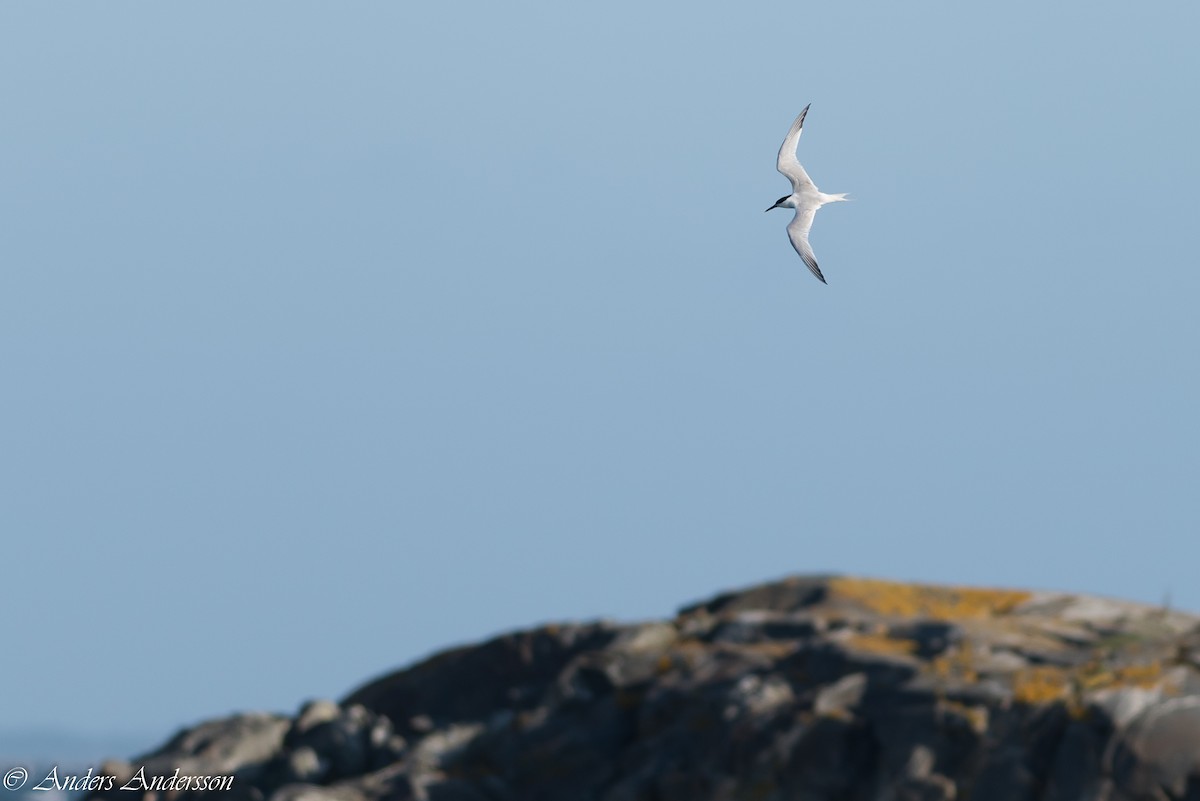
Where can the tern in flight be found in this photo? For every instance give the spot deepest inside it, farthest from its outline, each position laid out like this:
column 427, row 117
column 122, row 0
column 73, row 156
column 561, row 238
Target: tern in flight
column 805, row 197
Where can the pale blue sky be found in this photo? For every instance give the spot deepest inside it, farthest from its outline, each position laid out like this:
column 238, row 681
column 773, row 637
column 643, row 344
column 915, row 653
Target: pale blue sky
column 333, row 334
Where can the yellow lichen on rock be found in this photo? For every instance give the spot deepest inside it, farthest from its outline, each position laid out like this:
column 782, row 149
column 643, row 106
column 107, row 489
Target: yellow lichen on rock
column 956, row 663
column 975, row 716
column 917, row 600
column 1145, row 676
column 1042, row 685
column 880, row 644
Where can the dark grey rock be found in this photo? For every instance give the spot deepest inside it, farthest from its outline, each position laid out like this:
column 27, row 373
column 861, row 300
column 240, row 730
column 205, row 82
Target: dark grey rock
column 934, row 787
column 1159, row 751
column 241, row 746
column 466, row 684
column 789, row 595
column 1076, row 774
column 226, row 745
column 810, row 688
column 929, row 637
column 312, row 714
column 305, row 766
column 760, row 626
column 843, row 695
column 385, row 746
column 454, row 790
column 313, row 792
column 346, row 744
column 1005, row 777
column 827, row 662
column 830, row 758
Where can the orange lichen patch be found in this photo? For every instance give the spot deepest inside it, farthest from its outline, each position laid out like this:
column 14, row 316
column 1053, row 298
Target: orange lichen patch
column 917, row 600
column 838, row 714
column 1041, row 685
column 975, row 716
column 1146, row 676
column 880, row 644
column 1096, row 679
column 955, row 663
column 689, row 649
column 773, row 649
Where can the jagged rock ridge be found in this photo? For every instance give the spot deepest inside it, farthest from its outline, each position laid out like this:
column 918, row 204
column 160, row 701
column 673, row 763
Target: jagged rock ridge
column 822, row 687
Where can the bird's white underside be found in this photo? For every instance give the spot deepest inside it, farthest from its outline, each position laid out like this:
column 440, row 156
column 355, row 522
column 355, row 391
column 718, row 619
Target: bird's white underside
column 805, row 198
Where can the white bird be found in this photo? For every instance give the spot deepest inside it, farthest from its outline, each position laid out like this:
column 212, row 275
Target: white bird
column 805, row 197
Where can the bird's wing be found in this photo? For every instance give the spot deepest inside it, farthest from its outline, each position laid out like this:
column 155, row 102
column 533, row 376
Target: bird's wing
column 787, row 163
column 798, row 232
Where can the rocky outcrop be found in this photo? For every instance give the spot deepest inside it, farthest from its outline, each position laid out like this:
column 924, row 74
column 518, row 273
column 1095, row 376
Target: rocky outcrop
column 809, row 688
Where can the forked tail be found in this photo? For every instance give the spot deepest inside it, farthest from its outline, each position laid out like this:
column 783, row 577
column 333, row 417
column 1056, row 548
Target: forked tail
column 833, row 198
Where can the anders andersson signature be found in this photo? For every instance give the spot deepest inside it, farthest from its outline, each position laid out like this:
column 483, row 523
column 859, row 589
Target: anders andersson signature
column 140, row 781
